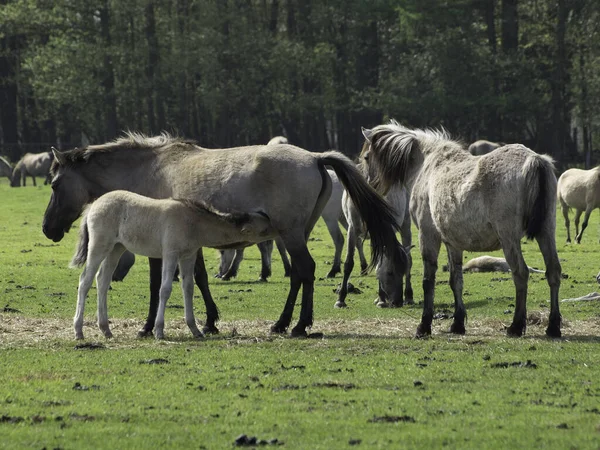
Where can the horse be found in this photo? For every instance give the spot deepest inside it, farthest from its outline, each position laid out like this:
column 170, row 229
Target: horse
column 285, row 182
column 33, row 165
column 277, row 140
column 472, row 203
column 332, row 215
column 125, row 263
column 483, row 147
column 5, row 169
column 579, row 189
column 171, row 229
column 488, row 263
column 388, row 276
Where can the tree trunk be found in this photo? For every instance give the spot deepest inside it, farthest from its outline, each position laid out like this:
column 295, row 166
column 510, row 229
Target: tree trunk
column 510, row 26
column 108, row 77
column 151, row 64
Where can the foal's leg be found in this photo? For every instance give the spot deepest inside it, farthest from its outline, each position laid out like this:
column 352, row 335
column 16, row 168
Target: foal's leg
column 565, row 212
column 201, row 278
column 103, row 279
column 168, row 269
column 584, row 225
column 456, row 284
column 266, row 250
column 520, row 274
column 547, row 244
column 186, row 270
column 348, row 266
column 287, row 267
column 430, row 243
column 85, row 283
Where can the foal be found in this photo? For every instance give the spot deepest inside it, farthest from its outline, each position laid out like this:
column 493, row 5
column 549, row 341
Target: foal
column 173, row 230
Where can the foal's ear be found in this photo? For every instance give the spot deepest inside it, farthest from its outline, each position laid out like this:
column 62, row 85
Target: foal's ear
column 59, row 157
column 367, row 134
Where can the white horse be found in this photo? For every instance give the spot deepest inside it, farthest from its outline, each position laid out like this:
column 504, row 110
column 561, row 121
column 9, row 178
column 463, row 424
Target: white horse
column 473, row 203
column 173, row 230
column 579, row 189
column 33, row 165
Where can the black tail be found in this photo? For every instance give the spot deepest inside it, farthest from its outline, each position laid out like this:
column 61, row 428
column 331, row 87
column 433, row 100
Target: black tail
column 541, row 182
column 81, row 253
column 377, row 214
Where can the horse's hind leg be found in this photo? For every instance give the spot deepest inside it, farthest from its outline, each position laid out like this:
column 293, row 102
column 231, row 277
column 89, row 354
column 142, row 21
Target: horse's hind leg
column 456, row 284
column 201, row 278
column 547, row 246
column 578, row 213
column 338, row 242
column 348, row 266
column 103, row 279
column 430, row 243
column 406, row 235
column 586, row 219
column 287, row 267
column 520, row 274
column 364, row 265
column 186, row 270
column 266, row 250
column 565, row 211
column 304, row 267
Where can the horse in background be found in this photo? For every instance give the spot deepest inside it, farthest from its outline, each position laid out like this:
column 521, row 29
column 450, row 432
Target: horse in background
column 173, row 230
column 579, row 189
column 278, row 140
column 6, row 169
column 33, row 165
column 472, row 203
column 483, row 147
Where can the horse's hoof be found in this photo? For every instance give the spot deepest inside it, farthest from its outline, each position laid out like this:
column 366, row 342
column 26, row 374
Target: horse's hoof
column 364, row 272
column 263, row 279
column 225, row 278
column 339, row 304
column 278, row 329
column 210, row 329
column 218, row 275
column 145, row 333
column 515, row 331
column 568, row 241
column 299, row 333
column 409, row 301
column 423, row 331
column 160, row 336
column 332, row 274
column 108, row 334
column 381, row 304
column 457, row 328
column 79, row 336
column 553, row 331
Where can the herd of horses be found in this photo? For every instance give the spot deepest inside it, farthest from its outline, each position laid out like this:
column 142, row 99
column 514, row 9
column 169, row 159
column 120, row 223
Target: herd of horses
column 166, row 198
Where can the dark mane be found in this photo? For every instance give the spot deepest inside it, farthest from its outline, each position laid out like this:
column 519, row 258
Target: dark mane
column 130, row 141
column 234, row 217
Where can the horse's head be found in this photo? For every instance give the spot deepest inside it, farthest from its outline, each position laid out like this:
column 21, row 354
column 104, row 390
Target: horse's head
column 390, row 275
column 70, row 193
column 15, row 179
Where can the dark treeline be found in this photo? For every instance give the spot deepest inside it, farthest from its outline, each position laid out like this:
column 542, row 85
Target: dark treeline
column 237, row 72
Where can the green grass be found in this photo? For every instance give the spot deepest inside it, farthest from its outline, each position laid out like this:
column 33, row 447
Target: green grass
column 366, row 380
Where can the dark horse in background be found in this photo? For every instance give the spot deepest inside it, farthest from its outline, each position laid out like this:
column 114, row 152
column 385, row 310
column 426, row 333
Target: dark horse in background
column 286, row 183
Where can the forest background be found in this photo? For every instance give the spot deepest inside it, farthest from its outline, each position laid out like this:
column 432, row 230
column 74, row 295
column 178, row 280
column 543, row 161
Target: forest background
column 237, row 72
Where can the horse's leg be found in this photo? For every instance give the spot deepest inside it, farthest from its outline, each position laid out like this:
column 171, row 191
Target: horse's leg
column 201, row 278
column 584, row 225
column 166, row 286
column 348, row 266
column 235, row 265
column 338, row 242
column 364, row 265
column 85, row 283
column 286, row 316
column 304, row 267
column 103, row 279
column 547, row 244
column 456, row 284
column 565, row 212
column 429, row 243
column 225, row 260
column 406, row 236
column 186, row 270
column 578, row 213
column 33, row 178
column 520, row 274
column 266, row 250
column 155, row 277
column 287, row 267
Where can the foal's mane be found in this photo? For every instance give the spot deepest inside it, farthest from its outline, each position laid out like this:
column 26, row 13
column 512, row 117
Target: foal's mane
column 129, row 141
column 234, row 217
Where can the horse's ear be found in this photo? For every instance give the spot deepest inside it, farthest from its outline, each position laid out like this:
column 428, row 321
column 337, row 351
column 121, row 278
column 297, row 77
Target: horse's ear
column 59, row 157
column 367, row 134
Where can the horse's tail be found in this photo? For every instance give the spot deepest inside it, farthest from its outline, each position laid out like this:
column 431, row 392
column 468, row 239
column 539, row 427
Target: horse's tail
column 81, row 253
column 540, row 185
column 377, row 214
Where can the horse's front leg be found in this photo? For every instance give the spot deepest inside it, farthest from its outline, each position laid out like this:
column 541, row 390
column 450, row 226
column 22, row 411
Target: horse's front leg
column 232, row 270
column 520, row 274
column 103, row 279
column 201, row 278
column 287, row 267
column 266, row 250
column 166, row 286
column 155, row 278
column 348, row 266
column 186, row 270
column 430, row 243
column 85, row 283
column 456, row 284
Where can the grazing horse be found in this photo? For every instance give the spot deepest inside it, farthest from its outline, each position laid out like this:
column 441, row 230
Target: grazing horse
column 33, row 165
column 483, row 147
column 287, row 183
column 5, row 169
column 473, row 203
column 579, row 189
column 390, row 278
column 170, row 229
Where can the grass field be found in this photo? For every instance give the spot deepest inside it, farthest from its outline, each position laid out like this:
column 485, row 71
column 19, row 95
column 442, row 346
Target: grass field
column 366, row 383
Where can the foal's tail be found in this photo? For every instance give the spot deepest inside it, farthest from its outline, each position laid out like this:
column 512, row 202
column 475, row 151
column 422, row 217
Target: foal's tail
column 377, row 214
column 81, row 253
column 540, row 183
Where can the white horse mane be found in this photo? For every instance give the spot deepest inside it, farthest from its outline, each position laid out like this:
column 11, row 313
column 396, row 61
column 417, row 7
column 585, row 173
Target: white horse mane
column 398, row 137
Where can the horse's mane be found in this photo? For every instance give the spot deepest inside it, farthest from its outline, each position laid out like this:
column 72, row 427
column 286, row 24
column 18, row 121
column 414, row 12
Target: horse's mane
column 234, row 217
column 131, row 140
